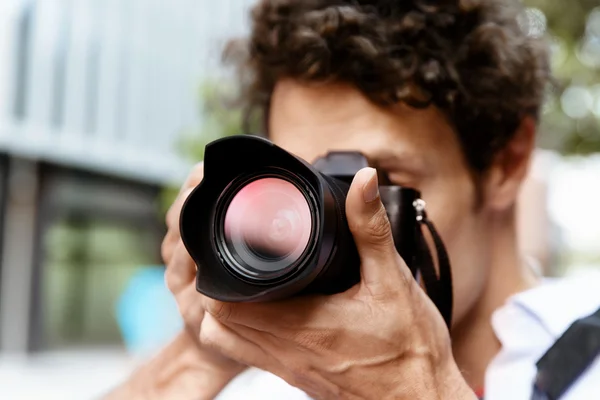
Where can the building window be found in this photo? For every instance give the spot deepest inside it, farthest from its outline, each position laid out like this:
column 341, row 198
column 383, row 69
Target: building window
column 95, row 234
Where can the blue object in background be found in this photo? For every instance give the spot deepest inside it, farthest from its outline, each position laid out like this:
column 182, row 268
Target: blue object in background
column 147, row 313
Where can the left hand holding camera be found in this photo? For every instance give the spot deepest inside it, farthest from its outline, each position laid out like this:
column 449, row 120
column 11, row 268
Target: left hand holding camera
column 381, row 339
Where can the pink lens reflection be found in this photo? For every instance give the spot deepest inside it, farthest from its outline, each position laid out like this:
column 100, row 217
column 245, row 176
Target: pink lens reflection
column 268, row 219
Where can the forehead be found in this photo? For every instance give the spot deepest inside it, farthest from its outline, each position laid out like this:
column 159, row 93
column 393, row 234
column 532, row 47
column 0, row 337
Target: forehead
column 309, row 121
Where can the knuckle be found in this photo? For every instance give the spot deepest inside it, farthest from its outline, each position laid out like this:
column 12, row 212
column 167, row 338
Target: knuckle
column 377, row 227
column 181, row 264
column 170, row 281
column 191, row 314
column 169, row 214
column 178, row 277
column 209, row 336
column 220, row 310
column 170, row 219
column 190, row 307
column 196, row 175
column 174, row 213
column 167, row 248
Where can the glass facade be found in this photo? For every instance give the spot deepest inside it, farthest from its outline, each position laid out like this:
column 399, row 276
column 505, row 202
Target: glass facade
column 90, row 248
column 89, row 262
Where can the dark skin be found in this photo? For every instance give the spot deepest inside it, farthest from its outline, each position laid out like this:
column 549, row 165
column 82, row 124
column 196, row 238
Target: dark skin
column 382, row 338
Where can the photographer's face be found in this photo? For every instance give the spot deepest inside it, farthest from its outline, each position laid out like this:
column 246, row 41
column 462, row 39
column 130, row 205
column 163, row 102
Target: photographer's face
column 416, row 148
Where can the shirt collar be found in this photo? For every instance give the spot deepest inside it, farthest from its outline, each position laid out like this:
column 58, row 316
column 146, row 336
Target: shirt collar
column 558, row 302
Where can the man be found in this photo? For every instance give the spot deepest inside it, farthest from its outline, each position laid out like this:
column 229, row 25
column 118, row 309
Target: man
column 443, row 97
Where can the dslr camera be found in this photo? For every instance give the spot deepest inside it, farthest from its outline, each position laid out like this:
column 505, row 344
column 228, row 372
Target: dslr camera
column 265, row 225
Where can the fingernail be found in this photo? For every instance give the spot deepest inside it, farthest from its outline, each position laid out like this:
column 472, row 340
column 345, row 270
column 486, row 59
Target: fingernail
column 371, row 187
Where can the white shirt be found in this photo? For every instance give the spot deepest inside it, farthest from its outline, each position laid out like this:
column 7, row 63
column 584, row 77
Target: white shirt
column 527, row 325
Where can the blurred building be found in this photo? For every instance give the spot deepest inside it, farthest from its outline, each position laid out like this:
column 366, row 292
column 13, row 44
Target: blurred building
column 94, row 95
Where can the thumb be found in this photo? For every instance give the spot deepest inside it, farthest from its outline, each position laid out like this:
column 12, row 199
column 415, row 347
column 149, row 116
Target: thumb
column 370, row 227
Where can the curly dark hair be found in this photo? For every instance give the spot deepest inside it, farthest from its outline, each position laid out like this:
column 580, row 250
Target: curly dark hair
column 470, row 58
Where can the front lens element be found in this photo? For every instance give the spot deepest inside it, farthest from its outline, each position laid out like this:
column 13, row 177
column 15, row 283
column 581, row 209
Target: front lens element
column 267, row 226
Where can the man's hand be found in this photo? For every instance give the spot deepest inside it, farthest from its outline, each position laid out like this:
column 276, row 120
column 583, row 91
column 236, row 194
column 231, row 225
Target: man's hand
column 381, row 339
column 180, row 279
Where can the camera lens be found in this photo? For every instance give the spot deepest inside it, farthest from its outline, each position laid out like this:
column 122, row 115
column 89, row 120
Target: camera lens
column 267, row 227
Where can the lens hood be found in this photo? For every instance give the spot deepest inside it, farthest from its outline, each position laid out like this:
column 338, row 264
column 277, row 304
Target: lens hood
column 229, row 164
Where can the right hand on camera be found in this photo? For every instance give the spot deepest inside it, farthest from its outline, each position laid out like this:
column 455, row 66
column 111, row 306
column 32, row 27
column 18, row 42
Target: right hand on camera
column 180, row 276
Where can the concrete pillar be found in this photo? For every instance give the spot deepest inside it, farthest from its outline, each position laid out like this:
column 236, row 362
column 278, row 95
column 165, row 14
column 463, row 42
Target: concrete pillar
column 18, row 252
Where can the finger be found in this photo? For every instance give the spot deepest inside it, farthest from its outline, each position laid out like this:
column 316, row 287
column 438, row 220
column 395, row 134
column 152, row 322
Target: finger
column 225, row 340
column 284, row 319
column 371, row 230
column 174, row 213
column 194, row 178
column 191, row 308
column 169, row 245
column 288, row 361
column 181, row 271
column 173, row 236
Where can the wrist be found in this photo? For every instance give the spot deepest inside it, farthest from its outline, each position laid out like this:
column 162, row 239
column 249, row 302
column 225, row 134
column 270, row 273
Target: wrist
column 212, row 361
column 189, row 370
column 182, row 370
column 445, row 382
column 451, row 384
column 425, row 380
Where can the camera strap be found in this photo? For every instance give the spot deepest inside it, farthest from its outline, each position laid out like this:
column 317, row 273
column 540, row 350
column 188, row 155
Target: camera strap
column 568, row 359
column 438, row 286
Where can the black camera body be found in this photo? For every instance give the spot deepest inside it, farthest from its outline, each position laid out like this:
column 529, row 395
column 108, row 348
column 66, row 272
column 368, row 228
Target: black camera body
column 329, row 263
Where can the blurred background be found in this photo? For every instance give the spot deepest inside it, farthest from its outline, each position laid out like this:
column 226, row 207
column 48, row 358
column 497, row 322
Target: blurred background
column 105, row 105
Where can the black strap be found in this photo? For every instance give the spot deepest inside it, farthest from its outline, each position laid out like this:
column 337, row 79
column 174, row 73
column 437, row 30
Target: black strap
column 425, row 266
column 444, row 282
column 568, row 358
column 439, row 288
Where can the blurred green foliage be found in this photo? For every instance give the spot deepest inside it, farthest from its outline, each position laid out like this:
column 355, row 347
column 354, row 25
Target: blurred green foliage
column 219, row 119
column 571, row 119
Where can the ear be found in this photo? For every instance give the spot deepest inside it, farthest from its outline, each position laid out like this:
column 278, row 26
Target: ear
column 510, row 168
